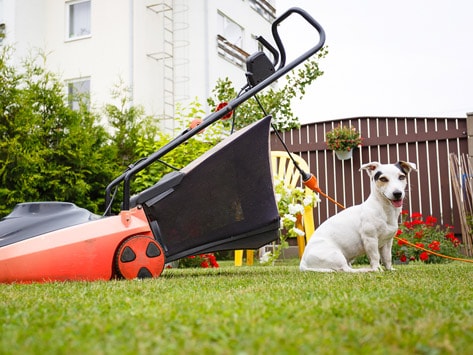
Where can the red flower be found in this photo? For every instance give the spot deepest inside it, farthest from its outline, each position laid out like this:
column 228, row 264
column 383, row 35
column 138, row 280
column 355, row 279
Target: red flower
column 450, row 236
column 200, row 260
column 403, row 258
column 222, row 105
column 430, row 221
column 421, row 245
column 401, row 242
column 405, row 212
column 419, row 234
column 194, row 123
column 435, row 245
column 398, row 233
column 416, row 215
column 212, row 260
column 424, row 256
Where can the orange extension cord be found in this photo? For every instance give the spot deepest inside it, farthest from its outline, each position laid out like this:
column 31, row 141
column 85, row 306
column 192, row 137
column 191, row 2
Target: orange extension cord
column 313, row 185
column 433, row 252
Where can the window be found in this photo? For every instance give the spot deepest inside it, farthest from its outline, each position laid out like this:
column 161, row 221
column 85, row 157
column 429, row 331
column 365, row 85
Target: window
column 2, row 32
column 230, row 41
column 78, row 15
column 78, row 92
column 230, row 30
column 2, row 22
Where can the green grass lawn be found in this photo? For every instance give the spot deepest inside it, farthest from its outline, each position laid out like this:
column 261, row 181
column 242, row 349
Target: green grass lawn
column 418, row 309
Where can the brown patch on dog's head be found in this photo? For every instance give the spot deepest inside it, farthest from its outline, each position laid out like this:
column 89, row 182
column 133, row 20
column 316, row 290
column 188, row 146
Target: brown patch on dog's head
column 370, row 168
column 406, row 167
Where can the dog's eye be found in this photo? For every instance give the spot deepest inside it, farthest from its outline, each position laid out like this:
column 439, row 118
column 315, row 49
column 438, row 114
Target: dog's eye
column 383, row 179
column 402, row 177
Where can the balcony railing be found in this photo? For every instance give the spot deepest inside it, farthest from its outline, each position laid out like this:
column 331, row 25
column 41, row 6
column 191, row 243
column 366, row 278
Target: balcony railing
column 230, row 52
column 264, row 8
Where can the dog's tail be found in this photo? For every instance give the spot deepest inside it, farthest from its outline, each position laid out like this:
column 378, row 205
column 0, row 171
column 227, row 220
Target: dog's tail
column 304, row 268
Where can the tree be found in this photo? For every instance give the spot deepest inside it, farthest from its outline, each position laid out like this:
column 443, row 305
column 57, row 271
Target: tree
column 275, row 101
column 183, row 154
column 128, row 123
column 48, row 152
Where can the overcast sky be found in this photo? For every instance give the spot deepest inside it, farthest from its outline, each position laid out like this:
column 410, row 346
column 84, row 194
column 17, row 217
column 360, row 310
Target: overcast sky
column 387, row 58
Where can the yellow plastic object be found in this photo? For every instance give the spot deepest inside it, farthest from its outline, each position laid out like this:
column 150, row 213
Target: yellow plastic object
column 284, row 170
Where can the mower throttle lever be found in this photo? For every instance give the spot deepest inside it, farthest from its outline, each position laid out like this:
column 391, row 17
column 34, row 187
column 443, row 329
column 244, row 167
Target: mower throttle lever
column 270, row 48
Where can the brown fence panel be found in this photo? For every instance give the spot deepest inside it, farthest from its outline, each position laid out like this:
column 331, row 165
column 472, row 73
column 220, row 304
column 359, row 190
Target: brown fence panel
column 427, row 142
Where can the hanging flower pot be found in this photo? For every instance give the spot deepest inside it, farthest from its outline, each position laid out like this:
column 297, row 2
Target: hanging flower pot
column 344, row 154
column 343, row 140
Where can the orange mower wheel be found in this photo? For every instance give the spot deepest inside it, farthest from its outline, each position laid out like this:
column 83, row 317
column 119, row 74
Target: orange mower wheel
column 140, row 257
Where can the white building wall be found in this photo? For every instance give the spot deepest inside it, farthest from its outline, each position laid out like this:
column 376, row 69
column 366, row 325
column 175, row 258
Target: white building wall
column 24, row 24
column 126, row 39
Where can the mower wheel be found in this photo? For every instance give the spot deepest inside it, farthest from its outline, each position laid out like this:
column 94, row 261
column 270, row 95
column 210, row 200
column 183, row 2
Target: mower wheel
column 140, row 257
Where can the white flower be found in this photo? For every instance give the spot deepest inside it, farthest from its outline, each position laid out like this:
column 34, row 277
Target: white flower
column 265, row 257
column 299, row 190
column 295, row 209
column 308, row 200
column 287, row 191
column 311, row 200
column 290, row 218
column 298, row 232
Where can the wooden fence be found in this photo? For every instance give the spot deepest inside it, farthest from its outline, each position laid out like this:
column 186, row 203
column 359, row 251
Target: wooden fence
column 427, row 142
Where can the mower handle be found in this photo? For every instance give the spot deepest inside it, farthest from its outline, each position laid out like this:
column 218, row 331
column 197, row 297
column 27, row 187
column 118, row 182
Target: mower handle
column 215, row 116
column 277, row 38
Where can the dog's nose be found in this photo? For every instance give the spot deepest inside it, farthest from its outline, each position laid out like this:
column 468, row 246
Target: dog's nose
column 397, row 195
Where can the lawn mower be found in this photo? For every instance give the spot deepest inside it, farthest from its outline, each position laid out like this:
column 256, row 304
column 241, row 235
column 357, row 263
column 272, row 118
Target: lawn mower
column 223, row 200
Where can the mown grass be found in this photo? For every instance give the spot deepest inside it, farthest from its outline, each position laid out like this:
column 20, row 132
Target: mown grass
column 424, row 309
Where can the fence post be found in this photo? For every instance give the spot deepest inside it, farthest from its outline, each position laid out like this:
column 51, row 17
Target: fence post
column 469, row 132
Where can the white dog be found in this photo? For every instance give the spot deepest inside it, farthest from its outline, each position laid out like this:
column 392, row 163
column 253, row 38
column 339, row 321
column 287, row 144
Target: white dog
column 368, row 228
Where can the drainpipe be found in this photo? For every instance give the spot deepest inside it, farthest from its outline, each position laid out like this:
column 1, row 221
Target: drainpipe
column 131, row 49
column 469, row 132
column 206, row 48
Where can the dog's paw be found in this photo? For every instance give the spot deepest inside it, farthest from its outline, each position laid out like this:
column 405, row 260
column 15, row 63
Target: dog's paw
column 378, row 268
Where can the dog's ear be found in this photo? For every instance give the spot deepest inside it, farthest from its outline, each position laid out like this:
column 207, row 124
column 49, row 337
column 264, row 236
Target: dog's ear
column 370, row 167
column 406, row 166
